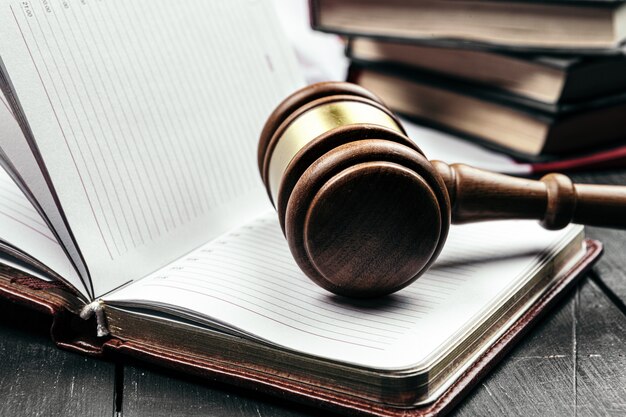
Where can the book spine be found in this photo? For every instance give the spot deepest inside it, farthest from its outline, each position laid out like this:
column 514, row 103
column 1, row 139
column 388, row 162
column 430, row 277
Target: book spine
column 68, row 330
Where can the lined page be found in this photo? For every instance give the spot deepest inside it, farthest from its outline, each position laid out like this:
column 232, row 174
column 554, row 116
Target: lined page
column 18, row 158
column 146, row 115
column 248, row 280
column 23, row 230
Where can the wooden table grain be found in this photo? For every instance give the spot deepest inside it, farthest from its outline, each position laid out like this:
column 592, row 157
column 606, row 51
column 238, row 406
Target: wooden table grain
column 572, row 363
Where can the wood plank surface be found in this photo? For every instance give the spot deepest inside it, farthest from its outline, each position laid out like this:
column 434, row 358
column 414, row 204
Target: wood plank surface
column 600, row 355
column 155, row 393
column 611, row 270
column 38, row 379
column 574, row 363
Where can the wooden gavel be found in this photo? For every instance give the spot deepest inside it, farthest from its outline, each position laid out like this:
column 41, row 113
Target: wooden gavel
column 365, row 213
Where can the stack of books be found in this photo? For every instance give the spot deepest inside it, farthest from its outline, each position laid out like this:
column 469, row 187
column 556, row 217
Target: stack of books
column 541, row 81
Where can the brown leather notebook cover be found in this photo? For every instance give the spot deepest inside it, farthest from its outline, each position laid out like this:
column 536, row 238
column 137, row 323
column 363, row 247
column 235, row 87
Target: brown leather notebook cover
column 70, row 332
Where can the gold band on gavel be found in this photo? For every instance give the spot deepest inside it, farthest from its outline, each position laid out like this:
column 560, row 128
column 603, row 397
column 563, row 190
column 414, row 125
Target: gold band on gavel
column 315, row 122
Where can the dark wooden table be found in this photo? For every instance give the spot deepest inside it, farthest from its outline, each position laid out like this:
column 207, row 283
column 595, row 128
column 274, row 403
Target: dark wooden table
column 573, row 363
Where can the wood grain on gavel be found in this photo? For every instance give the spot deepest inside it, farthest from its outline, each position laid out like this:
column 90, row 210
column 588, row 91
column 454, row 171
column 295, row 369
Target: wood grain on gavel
column 365, row 213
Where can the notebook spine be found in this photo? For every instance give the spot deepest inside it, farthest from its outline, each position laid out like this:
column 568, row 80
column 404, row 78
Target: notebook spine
column 67, row 330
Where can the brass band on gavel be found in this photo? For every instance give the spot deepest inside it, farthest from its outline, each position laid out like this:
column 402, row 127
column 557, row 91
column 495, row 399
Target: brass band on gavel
column 325, row 116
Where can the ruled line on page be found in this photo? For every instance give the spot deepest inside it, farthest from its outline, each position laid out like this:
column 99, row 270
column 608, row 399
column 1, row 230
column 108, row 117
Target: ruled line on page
column 8, row 208
column 286, row 282
column 247, row 307
column 20, row 207
column 15, row 206
column 94, row 128
column 275, row 259
column 282, row 313
column 255, row 289
column 82, row 130
column 75, row 58
column 97, row 74
column 307, row 291
column 30, row 226
column 73, row 55
column 23, row 228
column 278, row 288
column 58, row 120
column 178, row 27
column 155, row 112
column 171, row 192
column 126, row 119
column 190, row 118
column 299, row 291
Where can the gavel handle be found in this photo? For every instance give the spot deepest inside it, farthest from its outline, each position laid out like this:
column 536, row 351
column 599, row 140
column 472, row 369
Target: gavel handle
column 478, row 195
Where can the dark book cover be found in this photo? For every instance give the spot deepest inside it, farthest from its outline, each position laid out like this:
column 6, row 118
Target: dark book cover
column 315, row 21
column 545, row 111
column 597, row 85
column 544, row 115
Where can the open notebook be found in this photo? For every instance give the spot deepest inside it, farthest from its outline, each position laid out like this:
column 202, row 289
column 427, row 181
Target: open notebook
column 128, row 133
column 245, row 284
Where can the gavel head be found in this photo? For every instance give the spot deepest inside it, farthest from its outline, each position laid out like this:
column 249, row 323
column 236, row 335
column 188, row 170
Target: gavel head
column 364, row 212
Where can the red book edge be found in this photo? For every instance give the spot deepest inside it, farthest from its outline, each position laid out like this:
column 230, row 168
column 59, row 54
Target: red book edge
column 611, row 158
